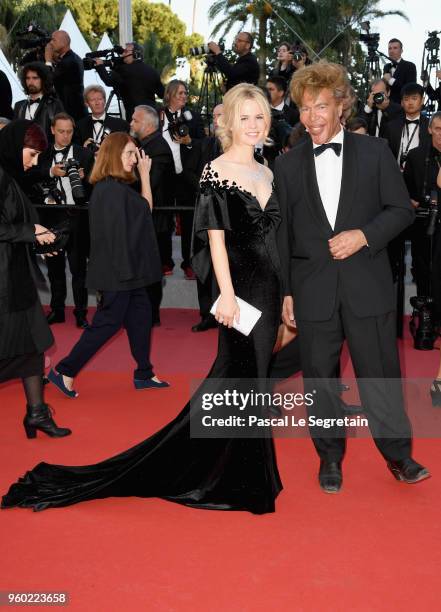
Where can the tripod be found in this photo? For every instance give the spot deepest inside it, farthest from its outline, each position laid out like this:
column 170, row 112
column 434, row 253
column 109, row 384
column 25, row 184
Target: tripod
column 211, row 83
column 115, row 93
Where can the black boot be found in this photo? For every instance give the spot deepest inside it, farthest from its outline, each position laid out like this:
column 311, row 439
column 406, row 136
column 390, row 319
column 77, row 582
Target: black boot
column 40, row 417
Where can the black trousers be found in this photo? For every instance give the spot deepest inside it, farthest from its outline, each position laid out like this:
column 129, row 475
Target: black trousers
column 129, row 309
column 77, row 252
column 373, row 349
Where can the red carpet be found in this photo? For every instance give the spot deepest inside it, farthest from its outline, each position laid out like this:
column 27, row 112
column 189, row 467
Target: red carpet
column 376, row 546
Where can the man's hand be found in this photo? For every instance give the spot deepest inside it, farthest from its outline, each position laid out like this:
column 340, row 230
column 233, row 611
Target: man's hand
column 214, row 48
column 98, row 61
column 347, row 243
column 87, row 142
column 183, row 140
column 81, row 173
column 414, row 203
column 288, row 312
column 58, row 170
column 370, row 100
column 438, row 179
column 48, row 52
column 387, row 76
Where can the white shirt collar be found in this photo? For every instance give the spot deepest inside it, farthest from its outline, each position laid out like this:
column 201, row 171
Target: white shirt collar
column 280, row 107
column 101, row 118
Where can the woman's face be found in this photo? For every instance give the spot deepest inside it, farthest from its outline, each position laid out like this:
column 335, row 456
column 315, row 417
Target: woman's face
column 30, row 158
column 128, row 157
column 251, row 128
column 282, row 54
column 179, row 98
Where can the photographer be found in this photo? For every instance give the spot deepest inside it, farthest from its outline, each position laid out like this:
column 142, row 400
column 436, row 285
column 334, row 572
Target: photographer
column 180, row 127
column 284, row 66
column 68, row 74
column 41, row 105
column 246, row 69
column 422, row 175
column 379, row 108
column 398, row 72
column 52, row 165
column 136, row 82
column 91, row 130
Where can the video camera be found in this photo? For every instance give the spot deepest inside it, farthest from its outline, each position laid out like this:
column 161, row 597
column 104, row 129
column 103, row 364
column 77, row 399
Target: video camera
column 112, row 57
column 372, row 41
column 35, row 39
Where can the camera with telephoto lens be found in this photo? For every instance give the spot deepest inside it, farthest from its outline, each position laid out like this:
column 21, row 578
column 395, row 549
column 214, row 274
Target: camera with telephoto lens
column 178, row 127
column 112, row 57
column 72, row 167
column 205, row 49
column 421, row 323
column 35, row 39
column 379, row 98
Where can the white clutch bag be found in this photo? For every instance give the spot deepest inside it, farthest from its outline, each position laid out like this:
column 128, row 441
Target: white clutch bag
column 249, row 315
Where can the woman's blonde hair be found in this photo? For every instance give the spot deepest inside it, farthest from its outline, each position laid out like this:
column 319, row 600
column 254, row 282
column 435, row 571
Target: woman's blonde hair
column 232, row 104
column 322, row 75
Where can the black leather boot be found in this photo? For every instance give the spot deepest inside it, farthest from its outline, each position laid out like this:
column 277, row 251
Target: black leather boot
column 40, row 418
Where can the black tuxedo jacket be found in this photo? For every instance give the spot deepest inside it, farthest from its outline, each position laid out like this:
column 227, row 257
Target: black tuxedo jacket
column 393, row 111
column 48, row 107
column 421, row 162
column 405, row 73
column 394, row 129
column 68, row 83
column 373, row 198
column 84, row 128
column 162, row 171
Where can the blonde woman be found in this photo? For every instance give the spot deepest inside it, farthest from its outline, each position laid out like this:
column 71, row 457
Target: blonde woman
column 235, row 222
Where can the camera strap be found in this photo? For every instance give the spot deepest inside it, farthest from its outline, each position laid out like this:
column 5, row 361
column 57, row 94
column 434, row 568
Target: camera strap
column 409, row 139
column 98, row 134
column 65, row 153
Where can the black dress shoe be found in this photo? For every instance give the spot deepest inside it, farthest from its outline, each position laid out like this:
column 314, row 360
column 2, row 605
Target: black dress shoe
column 408, row 470
column 56, row 316
column 330, row 476
column 204, row 324
column 82, row 322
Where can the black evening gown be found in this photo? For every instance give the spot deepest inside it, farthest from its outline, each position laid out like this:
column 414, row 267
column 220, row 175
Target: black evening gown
column 223, row 474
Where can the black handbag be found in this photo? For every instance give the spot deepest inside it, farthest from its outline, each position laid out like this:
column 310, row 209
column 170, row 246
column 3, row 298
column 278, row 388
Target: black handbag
column 61, row 231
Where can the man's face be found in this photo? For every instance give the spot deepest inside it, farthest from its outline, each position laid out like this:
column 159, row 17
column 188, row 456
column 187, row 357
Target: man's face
column 63, row 132
column 276, row 95
column 179, row 99
column 97, row 103
column 139, row 126
column 381, row 88
column 412, row 104
column 394, row 51
column 241, row 44
column 127, row 54
column 218, row 111
column 33, row 82
column 321, row 115
column 435, row 132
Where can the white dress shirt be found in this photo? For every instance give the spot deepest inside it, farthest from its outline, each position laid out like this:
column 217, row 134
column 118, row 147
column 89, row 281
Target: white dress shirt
column 98, row 128
column 410, row 137
column 63, row 182
column 174, row 146
column 31, row 109
column 392, row 72
column 328, row 169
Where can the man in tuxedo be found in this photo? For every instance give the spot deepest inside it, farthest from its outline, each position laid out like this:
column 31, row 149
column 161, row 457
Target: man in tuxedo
column 276, row 88
column 184, row 150
column 41, row 105
column 246, row 69
column 145, row 128
column 340, row 208
column 379, row 108
column 91, row 130
column 398, row 71
column 51, row 166
column 68, row 74
column 409, row 130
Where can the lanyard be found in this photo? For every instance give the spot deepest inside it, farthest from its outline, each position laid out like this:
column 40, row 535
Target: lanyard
column 409, row 140
column 98, row 136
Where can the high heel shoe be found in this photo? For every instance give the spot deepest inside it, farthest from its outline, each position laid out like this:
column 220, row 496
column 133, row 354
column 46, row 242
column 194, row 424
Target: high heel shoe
column 40, row 418
column 435, row 392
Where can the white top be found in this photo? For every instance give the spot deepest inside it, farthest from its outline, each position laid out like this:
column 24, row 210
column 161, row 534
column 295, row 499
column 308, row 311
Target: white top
column 174, row 146
column 98, row 129
column 328, row 168
column 392, row 72
column 410, row 133
column 31, row 108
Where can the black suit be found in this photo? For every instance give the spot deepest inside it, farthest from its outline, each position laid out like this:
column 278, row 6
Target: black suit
column 394, row 131
column 349, row 299
column 77, row 249
column 68, row 83
column 84, row 127
column 245, row 70
column 405, row 73
column 48, row 107
column 393, row 111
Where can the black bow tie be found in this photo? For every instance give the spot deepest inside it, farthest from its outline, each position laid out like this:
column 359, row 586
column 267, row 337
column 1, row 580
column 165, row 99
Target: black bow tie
column 410, row 121
column 63, row 152
column 335, row 146
column 99, row 121
column 36, row 101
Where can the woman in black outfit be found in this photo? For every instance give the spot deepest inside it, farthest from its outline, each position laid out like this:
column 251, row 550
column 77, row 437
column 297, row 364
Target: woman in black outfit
column 24, row 332
column 124, row 261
